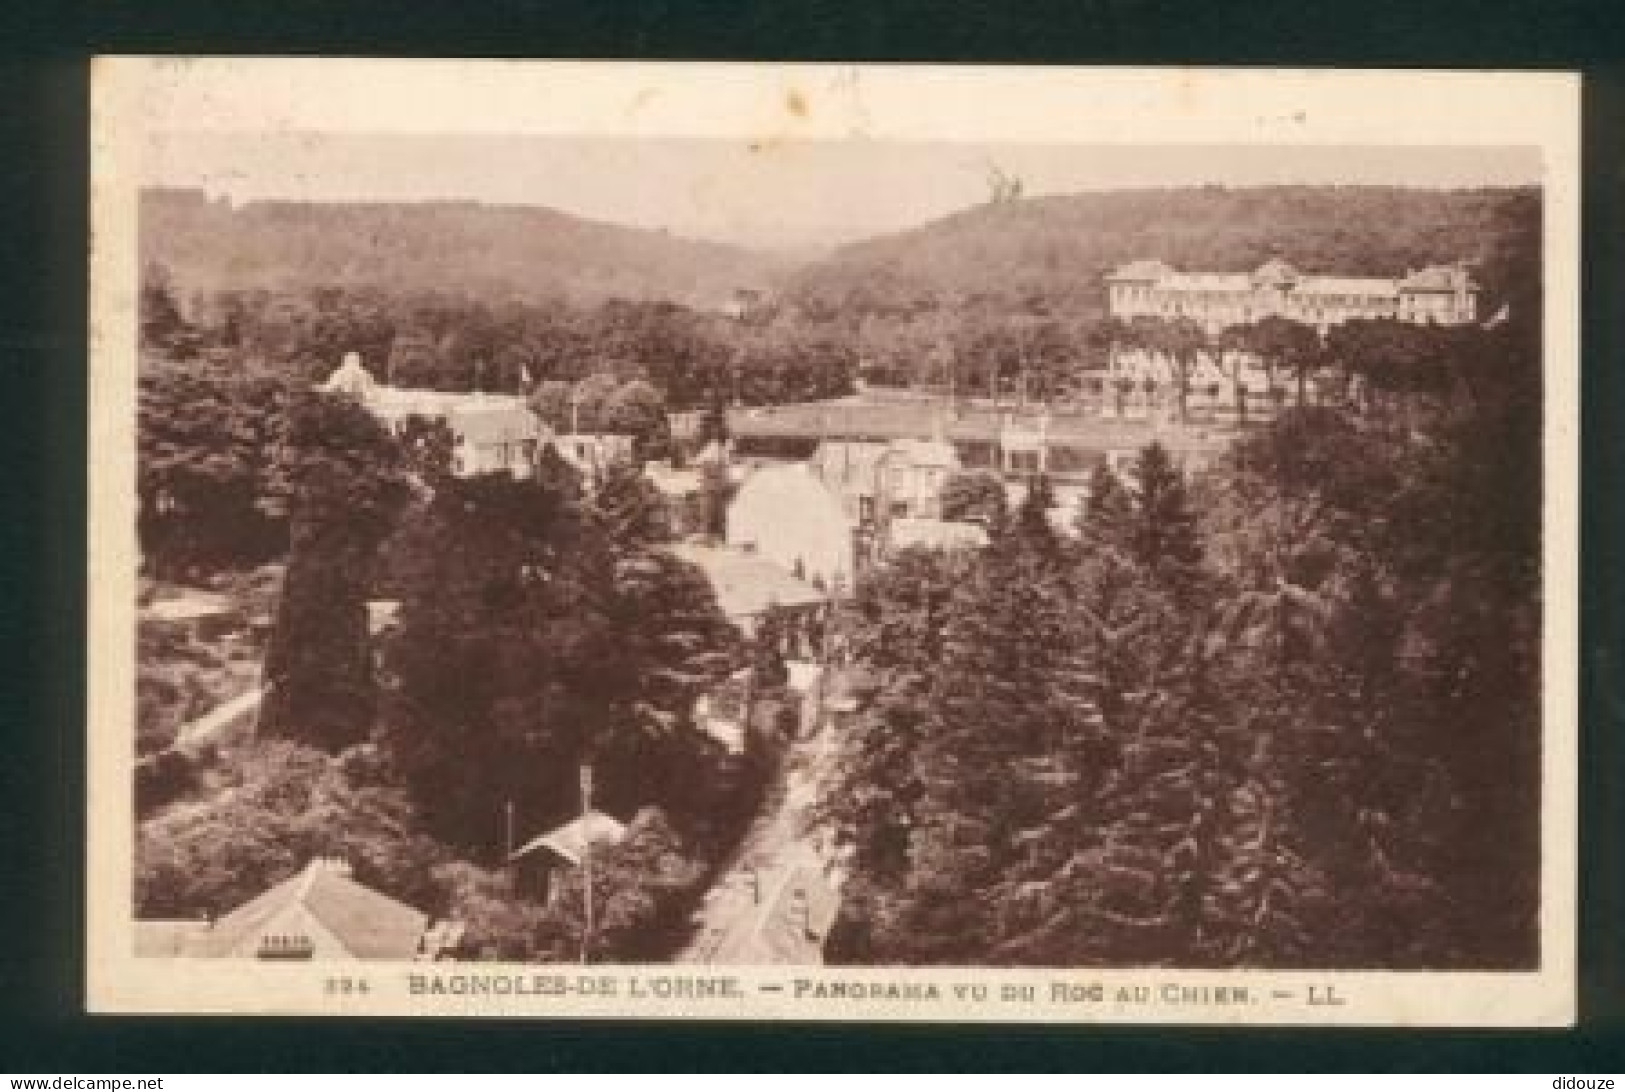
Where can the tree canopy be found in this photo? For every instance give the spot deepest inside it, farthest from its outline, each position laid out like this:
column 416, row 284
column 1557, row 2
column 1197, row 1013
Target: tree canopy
column 346, row 480
column 1284, row 714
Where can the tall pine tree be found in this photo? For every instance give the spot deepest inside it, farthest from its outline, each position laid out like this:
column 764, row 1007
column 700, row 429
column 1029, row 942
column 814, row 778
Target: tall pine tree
column 1165, row 537
column 347, row 482
column 1107, row 515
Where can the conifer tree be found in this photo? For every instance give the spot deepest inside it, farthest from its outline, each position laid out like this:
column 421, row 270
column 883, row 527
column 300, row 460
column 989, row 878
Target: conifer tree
column 1031, row 528
column 896, row 628
column 536, row 635
column 977, row 496
column 767, row 655
column 1165, row 537
column 628, row 509
column 493, row 624
column 716, row 490
column 346, row 479
column 714, row 423
column 429, row 447
column 1010, row 694
column 1107, row 514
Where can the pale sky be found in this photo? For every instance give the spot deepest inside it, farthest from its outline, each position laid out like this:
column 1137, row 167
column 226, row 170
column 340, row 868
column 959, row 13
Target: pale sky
column 803, row 193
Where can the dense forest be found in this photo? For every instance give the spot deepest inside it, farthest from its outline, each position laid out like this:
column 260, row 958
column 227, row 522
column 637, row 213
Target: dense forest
column 217, row 379
column 494, row 252
column 999, row 295
column 540, row 629
column 1050, row 253
column 1284, row 713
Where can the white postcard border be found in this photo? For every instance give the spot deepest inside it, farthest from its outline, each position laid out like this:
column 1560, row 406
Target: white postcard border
column 132, row 96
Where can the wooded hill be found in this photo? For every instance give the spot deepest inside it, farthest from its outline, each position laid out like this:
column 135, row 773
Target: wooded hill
column 486, row 251
column 1057, row 249
column 1054, row 249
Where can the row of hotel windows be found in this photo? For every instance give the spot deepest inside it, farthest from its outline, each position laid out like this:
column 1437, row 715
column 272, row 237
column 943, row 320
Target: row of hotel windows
column 1408, row 309
column 1233, row 299
column 1318, row 310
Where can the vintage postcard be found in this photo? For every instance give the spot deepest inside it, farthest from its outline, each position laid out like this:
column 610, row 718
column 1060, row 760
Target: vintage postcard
column 750, row 542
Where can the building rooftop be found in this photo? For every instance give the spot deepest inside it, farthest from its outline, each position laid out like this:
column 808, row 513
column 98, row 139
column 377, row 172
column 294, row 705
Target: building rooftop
column 569, row 842
column 1348, row 286
column 494, row 423
column 350, row 377
column 932, row 452
column 1275, row 271
column 673, row 481
column 1437, row 278
column 1206, row 282
column 713, row 453
column 324, row 907
column 747, row 584
column 382, row 614
column 973, row 423
column 848, row 465
column 935, row 534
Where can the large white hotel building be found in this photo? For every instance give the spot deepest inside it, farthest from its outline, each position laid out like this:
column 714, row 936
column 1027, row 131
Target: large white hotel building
column 1441, row 294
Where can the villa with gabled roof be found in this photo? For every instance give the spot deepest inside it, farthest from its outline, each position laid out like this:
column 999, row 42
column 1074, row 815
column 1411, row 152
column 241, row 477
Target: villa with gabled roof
column 320, row 913
column 491, row 432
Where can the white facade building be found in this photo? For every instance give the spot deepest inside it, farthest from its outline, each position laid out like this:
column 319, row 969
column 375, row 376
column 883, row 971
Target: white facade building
column 491, row 432
column 592, row 453
column 786, row 514
column 1442, row 294
column 876, row 482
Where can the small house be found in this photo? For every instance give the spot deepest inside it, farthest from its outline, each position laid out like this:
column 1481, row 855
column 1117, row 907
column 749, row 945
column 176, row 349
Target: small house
column 563, row 847
column 321, row 913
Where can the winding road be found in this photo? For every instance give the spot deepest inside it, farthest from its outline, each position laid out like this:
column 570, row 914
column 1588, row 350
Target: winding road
column 776, row 904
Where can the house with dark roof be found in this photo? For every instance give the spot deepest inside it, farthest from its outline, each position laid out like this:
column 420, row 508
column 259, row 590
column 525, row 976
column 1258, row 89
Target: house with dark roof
column 563, row 847
column 568, row 842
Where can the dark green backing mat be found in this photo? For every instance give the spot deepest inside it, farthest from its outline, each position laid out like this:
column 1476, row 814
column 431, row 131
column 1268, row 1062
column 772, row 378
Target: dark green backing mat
column 43, row 192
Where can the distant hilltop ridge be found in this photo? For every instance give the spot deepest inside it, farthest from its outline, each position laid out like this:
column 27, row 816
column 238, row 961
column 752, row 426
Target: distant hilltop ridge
column 1058, row 249
column 1062, row 249
column 517, row 251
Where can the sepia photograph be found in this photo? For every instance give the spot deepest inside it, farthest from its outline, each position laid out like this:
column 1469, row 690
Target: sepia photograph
column 833, row 543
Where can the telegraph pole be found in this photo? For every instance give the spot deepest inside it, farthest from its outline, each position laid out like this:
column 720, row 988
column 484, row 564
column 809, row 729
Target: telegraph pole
column 586, row 861
column 507, row 845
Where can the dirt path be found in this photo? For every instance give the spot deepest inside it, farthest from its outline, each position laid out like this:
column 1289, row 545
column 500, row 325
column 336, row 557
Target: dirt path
column 776, row 904
column 216, row 720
